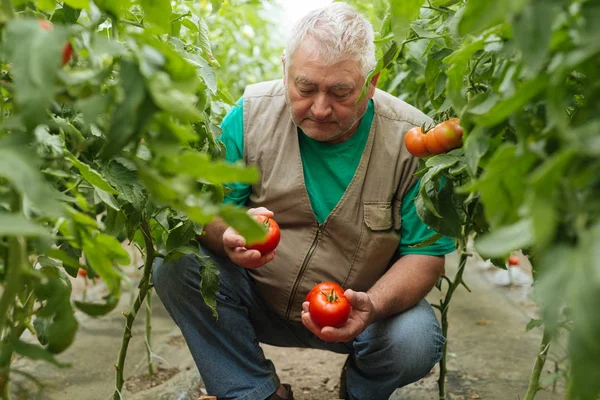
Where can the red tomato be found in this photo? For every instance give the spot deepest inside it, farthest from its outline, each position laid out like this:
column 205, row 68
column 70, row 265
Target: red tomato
column 513, row 260
column 273, row 235
column 444, row 137
column 328, row 305
column 82, row 272
column 67, row 51
column 415, row 142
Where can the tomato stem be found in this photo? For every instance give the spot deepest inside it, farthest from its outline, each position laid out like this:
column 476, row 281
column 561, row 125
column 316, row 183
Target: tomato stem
column 534, row 380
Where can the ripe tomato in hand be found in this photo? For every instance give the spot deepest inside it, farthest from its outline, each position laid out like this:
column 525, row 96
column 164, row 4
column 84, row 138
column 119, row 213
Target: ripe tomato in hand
column 415, row 142
column 67, row 50
column 82, row 272
column 272, row 239
column 328, row 305
column 513, row 260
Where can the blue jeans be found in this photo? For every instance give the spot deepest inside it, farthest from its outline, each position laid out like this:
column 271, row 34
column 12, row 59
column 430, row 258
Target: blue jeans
column 389, row 354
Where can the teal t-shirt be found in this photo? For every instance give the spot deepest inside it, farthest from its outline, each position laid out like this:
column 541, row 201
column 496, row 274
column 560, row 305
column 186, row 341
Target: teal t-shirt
column 328, row 170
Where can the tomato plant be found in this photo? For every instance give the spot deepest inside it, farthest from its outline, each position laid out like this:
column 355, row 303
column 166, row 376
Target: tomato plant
column 115, row 147
column 272, row 237
column 523, row 79
column 328, row 304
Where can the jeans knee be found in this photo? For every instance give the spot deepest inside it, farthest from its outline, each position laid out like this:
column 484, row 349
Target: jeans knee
column 167, row 277
column 406, row 346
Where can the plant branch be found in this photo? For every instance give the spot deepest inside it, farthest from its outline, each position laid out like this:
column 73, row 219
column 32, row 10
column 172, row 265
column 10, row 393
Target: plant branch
column 534, row 380
column 444, row 306
column 144, row 286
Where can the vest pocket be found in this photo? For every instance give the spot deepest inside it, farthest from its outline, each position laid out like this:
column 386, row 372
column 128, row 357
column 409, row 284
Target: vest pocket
column 378, row 215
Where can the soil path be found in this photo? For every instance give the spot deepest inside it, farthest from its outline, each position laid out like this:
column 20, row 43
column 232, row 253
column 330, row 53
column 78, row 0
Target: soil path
column 490, row 354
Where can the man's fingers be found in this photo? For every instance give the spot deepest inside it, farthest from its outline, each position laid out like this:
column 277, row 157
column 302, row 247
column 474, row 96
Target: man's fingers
column 260, row 211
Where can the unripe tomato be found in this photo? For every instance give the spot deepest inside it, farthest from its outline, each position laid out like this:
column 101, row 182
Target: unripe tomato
column 272, row 239
column 415, row 142
column 328, row 304
column 67, row 51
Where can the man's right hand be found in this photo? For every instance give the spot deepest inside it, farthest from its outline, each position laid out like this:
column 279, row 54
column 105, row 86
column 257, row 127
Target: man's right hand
column 234, row 245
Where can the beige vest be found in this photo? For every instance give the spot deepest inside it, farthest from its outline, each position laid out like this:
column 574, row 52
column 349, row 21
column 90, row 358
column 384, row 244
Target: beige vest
column 359, row 239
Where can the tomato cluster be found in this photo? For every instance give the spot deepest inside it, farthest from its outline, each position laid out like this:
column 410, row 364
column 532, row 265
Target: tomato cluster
column 328, row 304
column 442, row 138
column 271, row 240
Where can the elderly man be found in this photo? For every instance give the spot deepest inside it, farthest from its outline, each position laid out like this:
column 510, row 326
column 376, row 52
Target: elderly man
column 337, row 178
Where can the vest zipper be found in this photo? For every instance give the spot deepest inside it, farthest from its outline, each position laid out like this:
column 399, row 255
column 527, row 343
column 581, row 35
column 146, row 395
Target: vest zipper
column 302, row 269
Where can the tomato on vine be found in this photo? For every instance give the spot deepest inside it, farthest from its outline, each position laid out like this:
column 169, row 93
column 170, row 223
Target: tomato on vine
column 328, row 304
column 67, row 51
column 415, row 142
column 271, row 240
column 444, row 137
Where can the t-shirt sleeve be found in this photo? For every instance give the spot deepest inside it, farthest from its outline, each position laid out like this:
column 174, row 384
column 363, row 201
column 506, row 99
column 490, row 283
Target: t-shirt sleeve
column 232, row 136
column 414, row 231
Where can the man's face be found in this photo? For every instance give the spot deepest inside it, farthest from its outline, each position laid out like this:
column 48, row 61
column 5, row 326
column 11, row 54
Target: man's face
column 322, row 98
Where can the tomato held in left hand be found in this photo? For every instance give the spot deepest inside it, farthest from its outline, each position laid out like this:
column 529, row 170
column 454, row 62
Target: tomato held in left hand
column 328, row 304
column 273, row 235
column 513, row 260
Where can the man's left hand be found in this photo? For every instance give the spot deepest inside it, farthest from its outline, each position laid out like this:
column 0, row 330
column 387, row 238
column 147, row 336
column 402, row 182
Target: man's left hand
column 362, row 313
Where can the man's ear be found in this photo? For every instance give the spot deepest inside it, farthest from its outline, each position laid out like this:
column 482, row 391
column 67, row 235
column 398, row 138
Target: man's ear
column 373, row 85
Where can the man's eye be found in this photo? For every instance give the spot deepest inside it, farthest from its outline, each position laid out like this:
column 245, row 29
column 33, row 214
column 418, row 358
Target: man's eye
column 341, row 95
column 304, row 91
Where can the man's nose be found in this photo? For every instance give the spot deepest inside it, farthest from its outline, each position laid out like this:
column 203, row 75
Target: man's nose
column 321, row 108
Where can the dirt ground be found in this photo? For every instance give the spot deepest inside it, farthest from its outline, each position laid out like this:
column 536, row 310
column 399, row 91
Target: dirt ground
column 489, row 353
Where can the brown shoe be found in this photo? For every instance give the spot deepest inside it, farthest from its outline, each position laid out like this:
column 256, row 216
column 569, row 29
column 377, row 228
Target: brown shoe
column 289, row 394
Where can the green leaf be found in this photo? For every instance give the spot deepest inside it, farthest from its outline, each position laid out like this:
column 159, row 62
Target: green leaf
column 533, row 32
column 403, row 13
column 91, row 175
column 501, row 187
column 534, row 323
column 476, row 146
column 122, row 175
column 20, row 166
column 158, row 13
column 131, row 114
column 181, row 235
column 501, row 241
column 209, row 283
column 107, row 198
column 504, row 108
column 204, row 42
column 200, row 166
column 35, row 55
column 69, row 263
column 243, row 223
column 98, row 309
column 18, row 225
column 481, row 14
column 179, row 104
column 37, row 353
column 79, row 4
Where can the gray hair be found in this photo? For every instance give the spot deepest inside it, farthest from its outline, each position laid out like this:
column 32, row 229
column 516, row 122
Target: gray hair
column 338, row 33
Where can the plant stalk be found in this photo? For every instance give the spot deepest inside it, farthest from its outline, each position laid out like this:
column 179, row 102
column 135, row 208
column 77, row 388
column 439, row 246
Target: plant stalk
column 143, row 287
column 149, row 332
column 445, row 306
column 538, row 367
